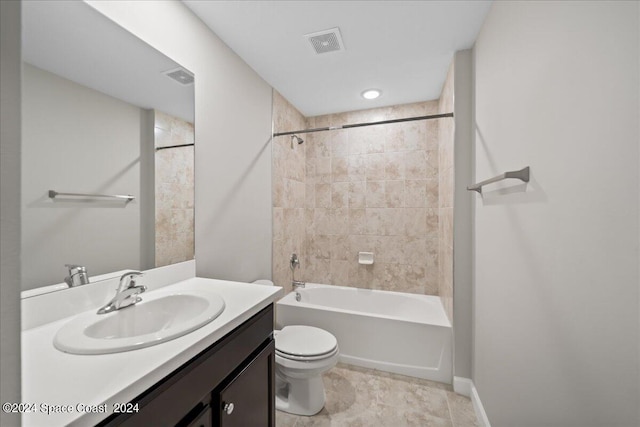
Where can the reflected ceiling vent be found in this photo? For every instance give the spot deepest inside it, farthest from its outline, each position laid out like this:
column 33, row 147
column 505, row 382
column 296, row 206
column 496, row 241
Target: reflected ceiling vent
column 180, row 75
column 326, row 41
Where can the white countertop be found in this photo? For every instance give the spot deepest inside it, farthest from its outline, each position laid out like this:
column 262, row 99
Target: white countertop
column 51, row 377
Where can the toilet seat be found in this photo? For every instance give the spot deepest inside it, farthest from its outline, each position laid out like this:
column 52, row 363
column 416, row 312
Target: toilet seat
column 308, row 358
column 300, row 342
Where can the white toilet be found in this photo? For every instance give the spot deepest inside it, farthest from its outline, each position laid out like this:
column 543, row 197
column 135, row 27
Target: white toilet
column 303, row 354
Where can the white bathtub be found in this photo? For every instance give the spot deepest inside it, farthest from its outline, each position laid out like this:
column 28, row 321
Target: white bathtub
column 390, row 331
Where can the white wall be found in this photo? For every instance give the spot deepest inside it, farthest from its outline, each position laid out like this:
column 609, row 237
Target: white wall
column 10, row 208
column 556, row 266
column 77, row 140
column 462, row 214
column 232, row 132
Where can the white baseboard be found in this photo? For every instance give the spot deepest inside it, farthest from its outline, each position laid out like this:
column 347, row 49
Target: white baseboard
column 483, row 420
column 462, row 386
column 465, row 387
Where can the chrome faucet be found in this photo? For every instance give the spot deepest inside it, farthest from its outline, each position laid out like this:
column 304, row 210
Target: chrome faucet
column 77, row 275
column 127, row 294
column 294, row 263
column 295, row 284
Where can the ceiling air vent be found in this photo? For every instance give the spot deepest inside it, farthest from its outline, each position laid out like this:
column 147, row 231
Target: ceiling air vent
column 180, row 75
column 326, row 41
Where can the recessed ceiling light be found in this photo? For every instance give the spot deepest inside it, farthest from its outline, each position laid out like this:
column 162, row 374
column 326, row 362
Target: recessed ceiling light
column 371, row 93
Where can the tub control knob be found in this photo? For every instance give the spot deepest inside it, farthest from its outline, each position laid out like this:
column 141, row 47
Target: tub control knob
column 228, row 408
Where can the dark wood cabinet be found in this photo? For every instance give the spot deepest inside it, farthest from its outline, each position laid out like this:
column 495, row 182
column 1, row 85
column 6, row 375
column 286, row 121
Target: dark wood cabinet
column 238, row 370
column 243, row 401
column 203, row 419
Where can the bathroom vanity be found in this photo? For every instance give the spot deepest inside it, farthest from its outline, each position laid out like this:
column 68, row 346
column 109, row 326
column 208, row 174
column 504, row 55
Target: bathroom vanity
column 229, row 384
column 221, row 374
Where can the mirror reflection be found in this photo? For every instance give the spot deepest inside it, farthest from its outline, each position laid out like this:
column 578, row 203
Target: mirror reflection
column 104, row 115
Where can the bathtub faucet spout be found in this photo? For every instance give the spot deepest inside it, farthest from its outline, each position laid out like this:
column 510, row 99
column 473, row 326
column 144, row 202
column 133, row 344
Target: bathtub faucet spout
column 295, row 284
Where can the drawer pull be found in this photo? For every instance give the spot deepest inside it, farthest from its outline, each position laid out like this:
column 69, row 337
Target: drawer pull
column 228, row 408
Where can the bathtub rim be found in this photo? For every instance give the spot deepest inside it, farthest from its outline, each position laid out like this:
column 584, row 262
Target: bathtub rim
column 289, row 299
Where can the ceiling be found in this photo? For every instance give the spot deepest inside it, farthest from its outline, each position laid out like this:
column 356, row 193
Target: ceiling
column 403, row 48
column 74, row 41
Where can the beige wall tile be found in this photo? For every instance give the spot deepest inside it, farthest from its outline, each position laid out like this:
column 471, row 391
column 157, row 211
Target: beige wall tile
column 309, row 195
column 374, row 189
column 415, row 222
column 322, row 144
column 357, row 194
column 174, row 188
column 339, row 221
column 323, row 195
column 323, row 170
column 433, row 220
column 357, row 141
column 339, row 169
column 394, row 194
column 339, row 272
column 278, row 223
column 375, row 167
column 319, row 247
column 415, row 135
column 357, row 221
column 340, row 195
column 340, row 247
column 339, row 143
column 416, row 193
column 445, row 132
column 357, row 168
column 375, row 194
column 394, row 165
column 394, row 138
column 293, row 190
column 322, row 221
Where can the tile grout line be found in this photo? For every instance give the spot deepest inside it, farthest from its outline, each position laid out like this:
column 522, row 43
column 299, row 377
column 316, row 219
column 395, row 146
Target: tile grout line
column 453, row 424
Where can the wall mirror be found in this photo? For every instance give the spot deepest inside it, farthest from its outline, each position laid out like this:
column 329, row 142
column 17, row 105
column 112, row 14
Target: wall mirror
column 103, row 114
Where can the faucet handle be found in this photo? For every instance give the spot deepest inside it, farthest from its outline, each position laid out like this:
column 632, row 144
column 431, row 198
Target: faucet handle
column 74, row 268
column 128, row 278
column 294, row 262
column 77, row 275
column 131, row 274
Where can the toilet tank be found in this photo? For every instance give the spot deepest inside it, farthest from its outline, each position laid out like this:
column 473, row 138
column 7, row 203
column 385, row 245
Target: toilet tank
column 263, row 282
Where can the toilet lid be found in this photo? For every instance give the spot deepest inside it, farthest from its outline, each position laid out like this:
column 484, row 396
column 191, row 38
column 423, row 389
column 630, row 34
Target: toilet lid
column 305, row 341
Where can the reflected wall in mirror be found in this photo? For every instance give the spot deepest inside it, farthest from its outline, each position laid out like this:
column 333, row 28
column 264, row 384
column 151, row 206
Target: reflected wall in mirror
column 103, row 114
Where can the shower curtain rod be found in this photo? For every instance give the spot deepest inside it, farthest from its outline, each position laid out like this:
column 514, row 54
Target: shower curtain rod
column 357, row 125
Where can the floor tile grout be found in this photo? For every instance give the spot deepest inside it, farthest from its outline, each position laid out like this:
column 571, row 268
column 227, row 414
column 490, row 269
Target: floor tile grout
column 453, row 423
column 353, row 391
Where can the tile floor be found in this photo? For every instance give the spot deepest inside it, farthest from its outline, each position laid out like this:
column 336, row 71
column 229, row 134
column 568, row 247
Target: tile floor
column 358, row 397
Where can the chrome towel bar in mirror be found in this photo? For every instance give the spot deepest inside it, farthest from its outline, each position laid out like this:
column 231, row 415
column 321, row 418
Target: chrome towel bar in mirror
column 127, row 198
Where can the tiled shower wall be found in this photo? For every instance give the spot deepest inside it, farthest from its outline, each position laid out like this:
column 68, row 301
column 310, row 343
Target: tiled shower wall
column 288, row 192
column 445, row 204
column 174, row 188
column 372, row 189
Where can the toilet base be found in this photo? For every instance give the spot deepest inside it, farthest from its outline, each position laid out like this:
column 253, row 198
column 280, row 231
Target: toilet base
column 300, row 396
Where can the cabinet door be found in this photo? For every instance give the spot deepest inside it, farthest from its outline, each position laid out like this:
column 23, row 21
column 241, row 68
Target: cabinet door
column 203, row 420
column 248, row 400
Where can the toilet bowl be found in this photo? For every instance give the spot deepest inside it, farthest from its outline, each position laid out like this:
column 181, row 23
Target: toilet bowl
column 303, row 354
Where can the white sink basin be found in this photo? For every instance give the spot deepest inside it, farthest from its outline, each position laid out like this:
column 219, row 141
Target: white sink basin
column 159, row 317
